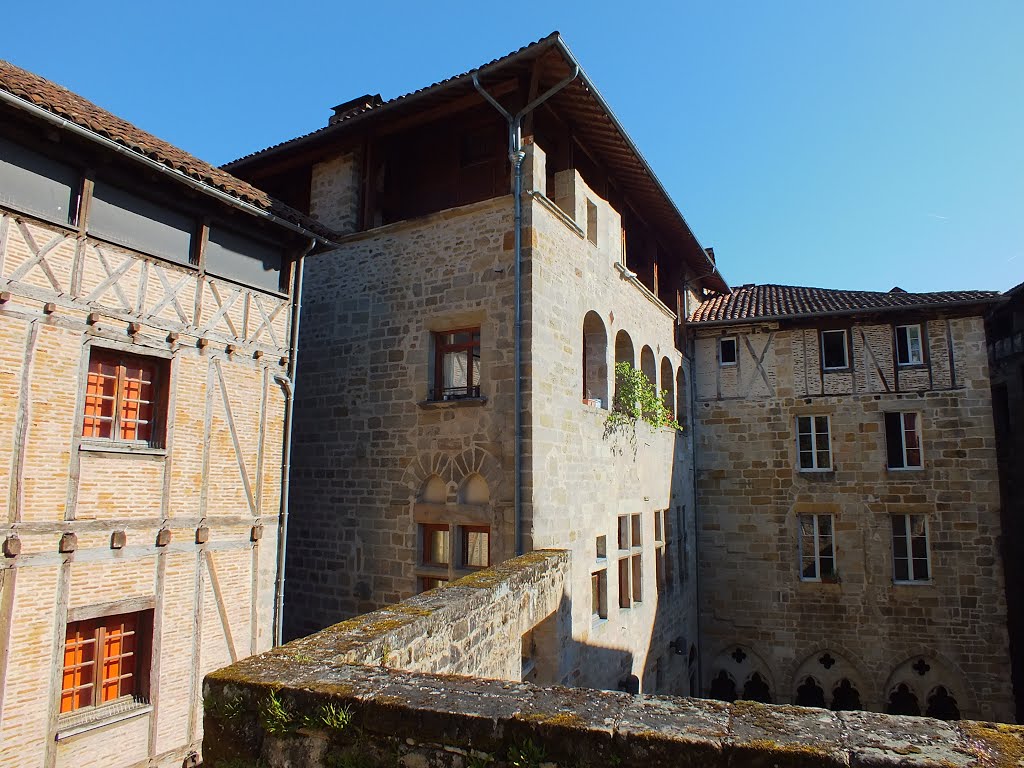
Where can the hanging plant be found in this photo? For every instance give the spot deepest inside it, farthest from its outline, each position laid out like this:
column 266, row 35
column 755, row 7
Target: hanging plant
column 635, row 400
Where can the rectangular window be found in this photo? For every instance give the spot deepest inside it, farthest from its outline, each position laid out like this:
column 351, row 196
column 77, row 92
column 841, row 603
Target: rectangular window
column 910, row 548
column 456, row 364
column 834, row 350
column 476, row 546
column 601, row 547
column 630, row 560
column 436, row 549
column 660, row 546
column 909, row 347
column 727, row 350
column 903, row 440
column 125, row 398
column 817, row 548
column 106, row 660
column 813, row 443
column 430, row 582
column 599, row 593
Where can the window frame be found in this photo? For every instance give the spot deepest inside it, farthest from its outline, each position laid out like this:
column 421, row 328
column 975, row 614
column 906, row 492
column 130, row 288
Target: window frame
column 902, row 415
column 159, row 367
column 819, row 577
column 141, row 655
column 630, row 560
column 846, row 350
column 464, row 531
column 814, row 443
column 438, row 392
column 425, row 544
column 907, row 519
column 722, row 362
column 910, row 363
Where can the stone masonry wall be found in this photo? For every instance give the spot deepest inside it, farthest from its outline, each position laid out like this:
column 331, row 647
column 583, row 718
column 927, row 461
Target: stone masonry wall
column 366, row 441
column 355, row 694
column 757, row 615
column 581, row 478
column 212, row 601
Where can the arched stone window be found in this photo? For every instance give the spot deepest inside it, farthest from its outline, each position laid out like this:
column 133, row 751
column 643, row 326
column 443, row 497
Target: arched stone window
column 756, row 689
column 649, row 365
column 595, row 359
column 474, row 490
column 434, row 491
column 845, row 697
column 623, row 352
column 903, row 701
column 810, row 694
column 668, row 386
column 723, row 687
column 681, row 397
column 942, row 705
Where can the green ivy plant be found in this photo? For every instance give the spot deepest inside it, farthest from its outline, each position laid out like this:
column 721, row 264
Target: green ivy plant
column 635, row 400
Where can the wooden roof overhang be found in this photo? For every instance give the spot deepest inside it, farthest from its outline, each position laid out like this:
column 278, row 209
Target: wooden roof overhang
column 532, row 69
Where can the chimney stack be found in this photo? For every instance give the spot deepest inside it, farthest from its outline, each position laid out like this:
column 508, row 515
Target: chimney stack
column 353, row 107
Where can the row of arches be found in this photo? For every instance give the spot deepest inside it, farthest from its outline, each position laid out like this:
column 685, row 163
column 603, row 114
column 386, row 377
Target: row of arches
column 472, row 490
column 596, row 380
column 918, row 686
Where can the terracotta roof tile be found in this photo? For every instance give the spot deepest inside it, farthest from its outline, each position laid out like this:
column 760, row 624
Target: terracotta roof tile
column 761, row 302
column 60, row 101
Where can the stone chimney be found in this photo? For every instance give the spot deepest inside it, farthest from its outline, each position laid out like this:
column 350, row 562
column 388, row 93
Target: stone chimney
column 353, row 107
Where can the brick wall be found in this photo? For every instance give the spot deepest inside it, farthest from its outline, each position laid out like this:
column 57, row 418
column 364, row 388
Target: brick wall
column 200, row 594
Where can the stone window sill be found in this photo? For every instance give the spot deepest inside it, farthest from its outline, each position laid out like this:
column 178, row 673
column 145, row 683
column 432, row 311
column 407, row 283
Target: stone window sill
column 83, row 722
column 462, row 402
column 121, row 448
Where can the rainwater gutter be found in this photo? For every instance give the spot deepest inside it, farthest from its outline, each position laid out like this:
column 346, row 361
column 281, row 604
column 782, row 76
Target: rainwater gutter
column 516, row 156
column 287, row 384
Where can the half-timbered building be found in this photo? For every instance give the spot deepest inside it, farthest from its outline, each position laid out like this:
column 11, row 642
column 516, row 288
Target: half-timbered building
column 147, row 305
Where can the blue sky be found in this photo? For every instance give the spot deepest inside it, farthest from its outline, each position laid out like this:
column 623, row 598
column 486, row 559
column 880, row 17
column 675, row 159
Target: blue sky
column 848, row 144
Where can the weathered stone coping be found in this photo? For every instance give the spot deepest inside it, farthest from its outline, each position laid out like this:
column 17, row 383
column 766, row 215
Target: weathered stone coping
column 402, row 713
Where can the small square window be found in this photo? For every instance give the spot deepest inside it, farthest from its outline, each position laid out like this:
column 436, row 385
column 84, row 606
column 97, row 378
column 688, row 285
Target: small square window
column 813, row 443
column 910, row 548
column 909, row 345
column 727, row 350
column 476, row 546
column 817, row 548
column 903, row 440
column 106, row 660
column 834, row 350
column 125, row 398
column 456, row 364
column 436, row 548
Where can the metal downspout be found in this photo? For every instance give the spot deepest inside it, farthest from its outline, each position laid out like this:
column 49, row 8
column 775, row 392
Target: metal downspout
column 692, row 398
column 287, row 383
column 516, row 156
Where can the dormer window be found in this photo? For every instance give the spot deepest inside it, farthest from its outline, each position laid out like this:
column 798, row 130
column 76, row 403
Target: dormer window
column 835, row 351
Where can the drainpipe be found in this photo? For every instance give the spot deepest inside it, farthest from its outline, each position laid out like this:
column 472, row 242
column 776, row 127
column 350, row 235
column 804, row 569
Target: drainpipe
column 287, row 383
column 690, row 354
column 516, row 156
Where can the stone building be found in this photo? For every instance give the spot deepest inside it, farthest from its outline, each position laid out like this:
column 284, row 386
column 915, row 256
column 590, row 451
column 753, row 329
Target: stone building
column 146, row 303
column 1004, row 325
column 848, row 501
column 406, row 436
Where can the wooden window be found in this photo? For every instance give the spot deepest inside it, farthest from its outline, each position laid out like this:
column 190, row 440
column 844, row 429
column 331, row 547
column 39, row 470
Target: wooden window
column 599, row 594
column 106, row 660
column 630, row 560
column 456, row 364
column 124, row 398
column 903, row 440
column 909, row 345
column 910, row 549
column 660, row 546
column 727, row 350
column 835, row 351
column 814, row 444
column 817, row 548
column 476, row 546
column 436, row 548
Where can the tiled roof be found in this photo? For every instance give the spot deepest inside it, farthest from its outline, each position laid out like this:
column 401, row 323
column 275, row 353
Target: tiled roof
column 377, row 104
column 761, row 302
column 60, row 101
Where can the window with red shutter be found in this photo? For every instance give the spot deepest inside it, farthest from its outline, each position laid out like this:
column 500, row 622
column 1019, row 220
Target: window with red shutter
column 124, row 398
